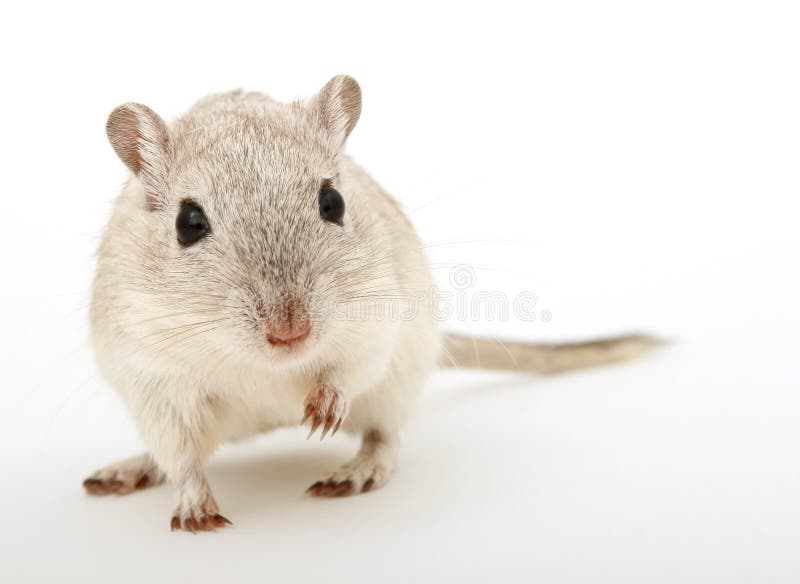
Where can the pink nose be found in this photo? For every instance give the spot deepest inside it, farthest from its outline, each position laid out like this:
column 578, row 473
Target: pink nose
column 289, row 331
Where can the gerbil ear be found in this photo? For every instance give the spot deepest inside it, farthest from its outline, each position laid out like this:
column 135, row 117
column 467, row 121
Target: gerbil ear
column 141, row 140
column 338, row 106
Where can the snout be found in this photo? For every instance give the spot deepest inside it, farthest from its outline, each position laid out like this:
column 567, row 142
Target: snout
column 289, row 329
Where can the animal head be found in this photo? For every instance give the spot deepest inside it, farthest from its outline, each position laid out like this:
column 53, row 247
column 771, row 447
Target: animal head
column 248, row 237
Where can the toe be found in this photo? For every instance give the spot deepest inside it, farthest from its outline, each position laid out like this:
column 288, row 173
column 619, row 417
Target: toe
column 332, row 488
column 96, row 486
column 194, row 524
column 93, row 486
column 206, row 523
column 343, row 489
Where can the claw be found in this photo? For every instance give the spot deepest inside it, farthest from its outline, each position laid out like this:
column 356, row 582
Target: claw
column 314, row 426
column 332, row 488
column 221, row 521
column 316, row 488
column 204, row 523
column 326, row 428
column 325, row 407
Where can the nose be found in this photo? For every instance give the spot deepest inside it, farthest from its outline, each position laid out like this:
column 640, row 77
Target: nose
column 290, row 329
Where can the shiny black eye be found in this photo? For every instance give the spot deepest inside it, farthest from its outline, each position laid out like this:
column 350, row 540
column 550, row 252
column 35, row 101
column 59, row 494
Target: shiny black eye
column 331, row 205
column 191, row 224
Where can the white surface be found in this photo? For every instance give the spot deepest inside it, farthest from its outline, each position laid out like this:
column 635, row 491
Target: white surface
column 636, row 167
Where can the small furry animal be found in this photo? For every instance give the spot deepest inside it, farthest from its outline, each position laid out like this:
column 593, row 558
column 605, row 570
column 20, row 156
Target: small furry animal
column 241, row 285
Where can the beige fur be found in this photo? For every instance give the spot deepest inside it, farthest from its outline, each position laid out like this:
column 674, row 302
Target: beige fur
column 181, row 332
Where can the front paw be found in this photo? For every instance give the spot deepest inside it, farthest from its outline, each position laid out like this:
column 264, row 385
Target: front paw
column 194, row 517
column 326, row 406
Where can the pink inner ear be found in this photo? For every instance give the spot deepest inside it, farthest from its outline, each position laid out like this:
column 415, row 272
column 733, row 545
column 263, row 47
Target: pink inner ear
column 135, row 131
column 139, row 137
column 339, row 104
column 350, row 100
column 123, row 132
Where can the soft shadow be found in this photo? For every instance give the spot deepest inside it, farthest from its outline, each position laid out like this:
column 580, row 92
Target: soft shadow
column 271, row 477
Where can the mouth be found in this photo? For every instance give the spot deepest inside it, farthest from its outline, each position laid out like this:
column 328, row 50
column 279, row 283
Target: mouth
column 291, row 343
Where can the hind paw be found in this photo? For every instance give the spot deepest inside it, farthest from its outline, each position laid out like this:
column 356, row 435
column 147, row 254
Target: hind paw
column 356, row 477
column 198, row 512
column 198, row 521
column 125, row 477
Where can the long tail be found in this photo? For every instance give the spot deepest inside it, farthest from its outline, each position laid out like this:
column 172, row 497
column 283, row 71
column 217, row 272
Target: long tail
column 477, row 353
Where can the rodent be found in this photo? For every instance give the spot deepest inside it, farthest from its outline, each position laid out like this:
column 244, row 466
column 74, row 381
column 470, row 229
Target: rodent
column 238, row 289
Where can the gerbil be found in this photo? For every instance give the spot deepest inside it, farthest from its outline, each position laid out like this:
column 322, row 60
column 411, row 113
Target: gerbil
column 239, row 289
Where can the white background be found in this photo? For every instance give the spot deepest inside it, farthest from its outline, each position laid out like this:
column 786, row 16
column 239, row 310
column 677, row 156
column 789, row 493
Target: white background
column 634, row 164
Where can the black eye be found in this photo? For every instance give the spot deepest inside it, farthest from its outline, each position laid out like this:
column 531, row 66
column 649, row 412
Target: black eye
column 331, row 205
column 191, row 224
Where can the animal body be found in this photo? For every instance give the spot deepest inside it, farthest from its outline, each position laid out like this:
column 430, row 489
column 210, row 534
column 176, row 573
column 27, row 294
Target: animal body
column 242, row 285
